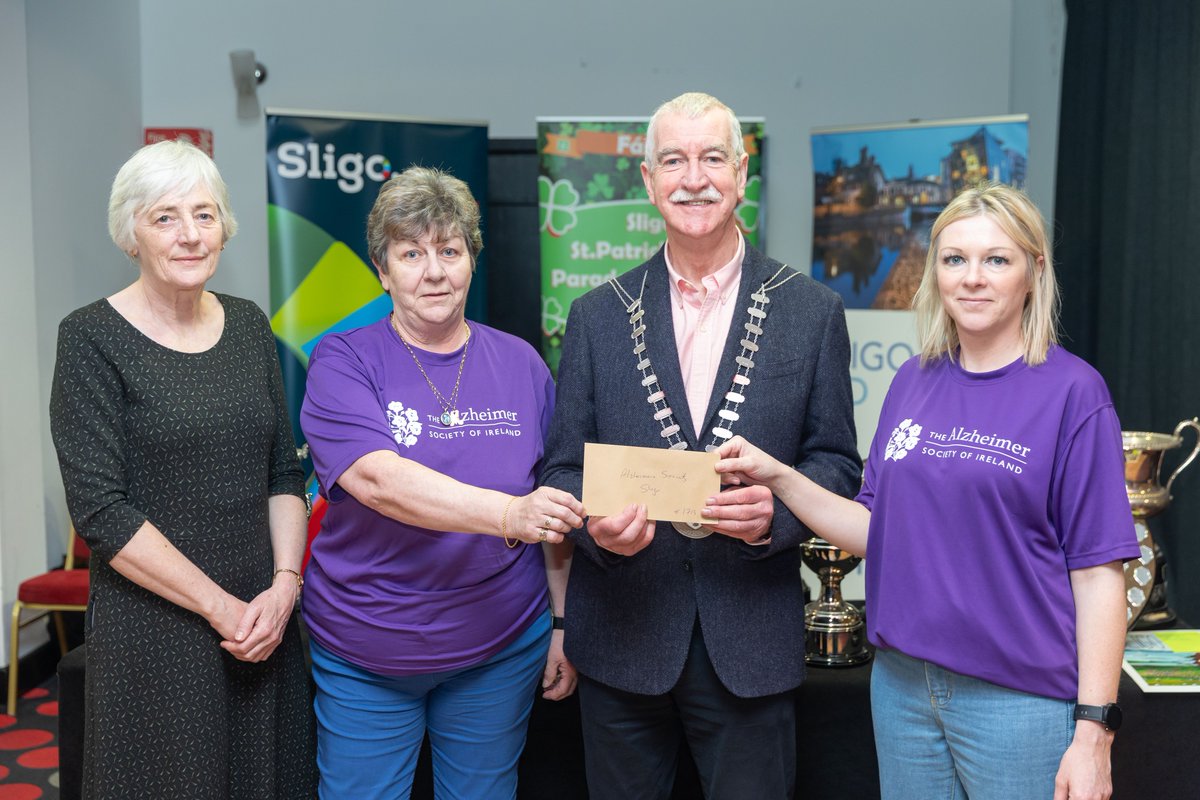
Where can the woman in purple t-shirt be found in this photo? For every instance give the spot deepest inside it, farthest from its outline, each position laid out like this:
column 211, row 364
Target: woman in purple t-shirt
column 994, row 520
column 426, row 595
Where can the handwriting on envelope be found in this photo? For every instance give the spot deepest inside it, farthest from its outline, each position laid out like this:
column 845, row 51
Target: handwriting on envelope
column 673, row 484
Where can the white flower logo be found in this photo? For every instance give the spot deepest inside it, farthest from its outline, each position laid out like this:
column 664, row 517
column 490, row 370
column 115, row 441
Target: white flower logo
column 404, row 423
column 904, row 438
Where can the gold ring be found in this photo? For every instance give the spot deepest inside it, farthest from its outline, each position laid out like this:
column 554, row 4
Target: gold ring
column 549, row 523
column 541, row 534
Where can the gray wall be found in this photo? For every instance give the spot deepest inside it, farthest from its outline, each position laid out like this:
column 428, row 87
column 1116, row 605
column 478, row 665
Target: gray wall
column 20, row 498
column 98, row 72
column 799, row 64
column 70, row 94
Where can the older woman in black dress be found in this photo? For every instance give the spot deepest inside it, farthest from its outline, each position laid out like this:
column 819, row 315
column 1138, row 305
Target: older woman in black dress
column 177, row 455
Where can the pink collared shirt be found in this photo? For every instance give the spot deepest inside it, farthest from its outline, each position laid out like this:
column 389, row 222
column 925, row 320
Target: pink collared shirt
column 702, row 316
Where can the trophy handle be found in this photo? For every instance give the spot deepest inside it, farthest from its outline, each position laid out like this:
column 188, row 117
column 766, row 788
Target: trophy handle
column 1194, row 424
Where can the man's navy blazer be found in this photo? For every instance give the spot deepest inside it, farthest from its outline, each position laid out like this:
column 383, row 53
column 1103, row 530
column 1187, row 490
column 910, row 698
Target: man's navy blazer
column 629, row 619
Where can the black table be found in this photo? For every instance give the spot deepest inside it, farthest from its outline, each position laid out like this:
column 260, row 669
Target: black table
column 834, row 744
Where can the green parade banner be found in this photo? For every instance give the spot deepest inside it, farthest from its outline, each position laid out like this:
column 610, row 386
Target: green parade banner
column 595, row 219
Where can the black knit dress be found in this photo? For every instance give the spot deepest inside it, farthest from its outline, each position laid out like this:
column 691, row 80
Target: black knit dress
column 196, row 443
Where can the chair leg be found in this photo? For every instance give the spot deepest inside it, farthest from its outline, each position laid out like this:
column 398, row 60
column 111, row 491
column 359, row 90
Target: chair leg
column 14, row 659
column 61, row 629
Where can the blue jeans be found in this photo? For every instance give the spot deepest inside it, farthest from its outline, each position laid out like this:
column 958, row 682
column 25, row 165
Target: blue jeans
column 944, row 736
column 370, row 727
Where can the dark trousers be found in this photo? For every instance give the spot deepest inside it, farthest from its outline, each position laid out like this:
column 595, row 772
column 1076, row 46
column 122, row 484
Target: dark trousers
column 743, row 747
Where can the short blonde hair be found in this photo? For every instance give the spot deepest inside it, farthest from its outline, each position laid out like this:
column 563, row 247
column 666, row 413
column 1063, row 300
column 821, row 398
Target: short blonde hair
column 420, row 201
column 1021, row 221
column 152, row 173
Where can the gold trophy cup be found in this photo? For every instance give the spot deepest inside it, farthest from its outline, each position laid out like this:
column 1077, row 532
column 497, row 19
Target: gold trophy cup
column 1148, row 497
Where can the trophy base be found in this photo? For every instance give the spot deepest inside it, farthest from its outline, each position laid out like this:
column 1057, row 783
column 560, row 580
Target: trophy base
column 841, row 649
column 1156, row 613
column 1157, row 618
column 834, row 637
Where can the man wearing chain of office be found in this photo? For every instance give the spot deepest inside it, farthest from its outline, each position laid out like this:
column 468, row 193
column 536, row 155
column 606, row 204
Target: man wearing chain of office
column 681, row 631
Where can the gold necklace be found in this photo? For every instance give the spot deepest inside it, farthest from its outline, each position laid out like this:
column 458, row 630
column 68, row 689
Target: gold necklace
column 450, row 415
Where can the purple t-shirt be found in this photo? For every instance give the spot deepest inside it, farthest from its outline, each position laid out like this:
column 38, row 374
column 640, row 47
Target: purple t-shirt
column 986, row 490
column 396, row 599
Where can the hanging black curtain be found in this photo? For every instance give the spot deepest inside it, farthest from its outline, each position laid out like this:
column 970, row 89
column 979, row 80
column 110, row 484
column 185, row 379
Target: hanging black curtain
column 1128, row 231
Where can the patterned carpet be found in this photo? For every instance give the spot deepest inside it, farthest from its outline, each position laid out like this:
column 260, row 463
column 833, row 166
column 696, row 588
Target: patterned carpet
column 29, row 746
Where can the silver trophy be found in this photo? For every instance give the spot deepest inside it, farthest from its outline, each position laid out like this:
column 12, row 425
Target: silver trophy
column 836, row 636
column 1146, row 577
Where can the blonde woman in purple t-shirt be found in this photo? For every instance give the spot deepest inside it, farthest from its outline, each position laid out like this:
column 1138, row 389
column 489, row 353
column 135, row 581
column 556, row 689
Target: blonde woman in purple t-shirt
column 426, row 596
column 994, row 522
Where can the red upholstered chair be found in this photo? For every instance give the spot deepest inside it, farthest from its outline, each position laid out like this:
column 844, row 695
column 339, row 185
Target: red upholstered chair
column 55, row 591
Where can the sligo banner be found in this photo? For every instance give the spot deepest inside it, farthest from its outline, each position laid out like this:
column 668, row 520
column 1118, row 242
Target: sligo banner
column 877, row 191
column 323, row 175
column 595, row 220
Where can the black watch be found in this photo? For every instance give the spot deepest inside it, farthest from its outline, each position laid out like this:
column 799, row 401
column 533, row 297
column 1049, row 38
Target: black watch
column 1107, row 715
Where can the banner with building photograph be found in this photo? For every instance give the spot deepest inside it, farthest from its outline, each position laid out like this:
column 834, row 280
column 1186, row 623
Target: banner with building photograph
column 877, row 191
column 323, row 175
column 595, row 219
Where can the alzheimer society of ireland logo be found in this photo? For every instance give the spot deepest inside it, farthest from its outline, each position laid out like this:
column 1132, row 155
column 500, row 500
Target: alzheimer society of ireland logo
column 903, row 439
column 404, row 423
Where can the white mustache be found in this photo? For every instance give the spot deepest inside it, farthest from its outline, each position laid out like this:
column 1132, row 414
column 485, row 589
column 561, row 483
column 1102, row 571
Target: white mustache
column 708, row 194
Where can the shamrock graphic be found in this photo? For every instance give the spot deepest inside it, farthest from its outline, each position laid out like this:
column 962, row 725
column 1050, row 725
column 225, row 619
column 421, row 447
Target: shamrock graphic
column 557, row 202
column 599, row 187
column 747, row 210
column 553, row 318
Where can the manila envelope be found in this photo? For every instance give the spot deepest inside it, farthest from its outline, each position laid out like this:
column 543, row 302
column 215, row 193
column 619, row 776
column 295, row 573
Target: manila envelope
column 673, row 484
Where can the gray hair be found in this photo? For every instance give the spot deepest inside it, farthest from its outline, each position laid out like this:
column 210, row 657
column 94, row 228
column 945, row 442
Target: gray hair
column 694, row 105
column 1021, row 221
column 152, row 173
column 420, row 201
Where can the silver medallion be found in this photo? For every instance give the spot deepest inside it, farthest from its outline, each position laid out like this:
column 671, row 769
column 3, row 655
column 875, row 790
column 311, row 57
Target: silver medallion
column 693, row 530
column 733, row 398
